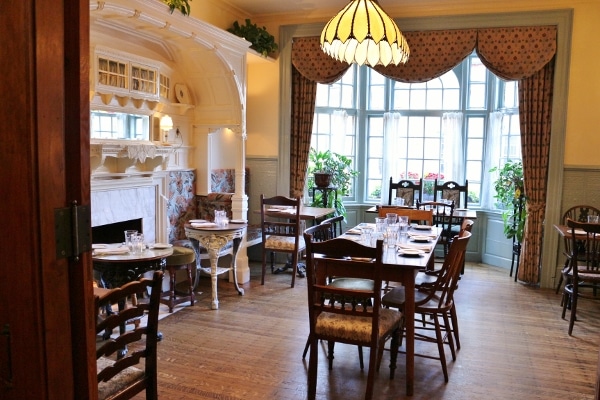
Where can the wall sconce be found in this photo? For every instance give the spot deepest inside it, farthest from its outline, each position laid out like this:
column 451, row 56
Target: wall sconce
column 166, row 124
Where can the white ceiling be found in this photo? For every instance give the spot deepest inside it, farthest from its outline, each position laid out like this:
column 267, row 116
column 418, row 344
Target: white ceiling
column 266, row 7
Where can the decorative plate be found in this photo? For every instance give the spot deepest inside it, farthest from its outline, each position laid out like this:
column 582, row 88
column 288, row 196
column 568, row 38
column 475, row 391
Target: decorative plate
column 182, row 94
column 421, row 239
column 411, row 252
column 161, row 245
column 422, row 227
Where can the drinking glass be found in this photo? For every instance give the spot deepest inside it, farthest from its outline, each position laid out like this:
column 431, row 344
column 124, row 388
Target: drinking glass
column 592, row 219
column 399, row 201
column 403, row 227
column 128, row 238
column 391, row 235
column 392, row 218
column 380, row 223
column 366, row 236
column 220, row 218
column 137, row 241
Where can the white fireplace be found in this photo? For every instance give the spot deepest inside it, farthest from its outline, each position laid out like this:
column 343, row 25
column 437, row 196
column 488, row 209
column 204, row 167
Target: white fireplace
column 130, row 198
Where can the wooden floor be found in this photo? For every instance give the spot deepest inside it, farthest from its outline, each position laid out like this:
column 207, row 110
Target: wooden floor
column 514, row 346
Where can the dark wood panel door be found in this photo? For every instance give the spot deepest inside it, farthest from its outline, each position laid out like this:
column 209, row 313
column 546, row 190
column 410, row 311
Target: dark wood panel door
column 46, row 315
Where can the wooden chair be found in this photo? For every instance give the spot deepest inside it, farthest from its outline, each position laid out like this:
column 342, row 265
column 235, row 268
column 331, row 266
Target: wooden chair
column 281, row 231
column 336, row 225
column 410, row 191
column 356, row 322
column 435, row 303
column 118, row 374
column 325, row 231
column 580, row 214
column 582, row 278
column 451, row 190
column 442, row 218
column 427, row 279
column 422, row 217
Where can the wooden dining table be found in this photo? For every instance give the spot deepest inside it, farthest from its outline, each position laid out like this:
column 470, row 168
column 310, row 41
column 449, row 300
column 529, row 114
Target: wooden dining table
column 399, row 268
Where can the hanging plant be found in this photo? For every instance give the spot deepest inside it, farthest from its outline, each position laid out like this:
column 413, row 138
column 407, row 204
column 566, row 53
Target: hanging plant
column 262, row 41
column 181, row 5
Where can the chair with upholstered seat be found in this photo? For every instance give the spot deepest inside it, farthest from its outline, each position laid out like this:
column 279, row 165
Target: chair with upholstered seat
column 435, row 303
column 580, row 214
column 410, row 191
column 281, row 231
column 582, row 277
column 356, row 322
column 119, row 374
column 319, row 233
column 182, row 258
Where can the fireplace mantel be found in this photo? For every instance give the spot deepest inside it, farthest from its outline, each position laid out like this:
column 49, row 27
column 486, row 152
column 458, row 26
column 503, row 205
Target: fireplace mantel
column 118, row 157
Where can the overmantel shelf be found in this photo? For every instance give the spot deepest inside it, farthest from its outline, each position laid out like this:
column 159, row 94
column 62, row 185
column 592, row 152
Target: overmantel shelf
column 126, row 156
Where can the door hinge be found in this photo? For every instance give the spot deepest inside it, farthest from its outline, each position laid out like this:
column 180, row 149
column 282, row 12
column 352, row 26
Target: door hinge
column 72, row 230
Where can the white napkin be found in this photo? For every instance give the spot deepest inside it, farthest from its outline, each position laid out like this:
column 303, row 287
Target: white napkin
column 421, row 233
column 425, row 247
column 108, row 251
column 354, row 231
column 203, row 225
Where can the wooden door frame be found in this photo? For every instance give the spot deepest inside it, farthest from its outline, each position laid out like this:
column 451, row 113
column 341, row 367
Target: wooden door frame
column 44, row 89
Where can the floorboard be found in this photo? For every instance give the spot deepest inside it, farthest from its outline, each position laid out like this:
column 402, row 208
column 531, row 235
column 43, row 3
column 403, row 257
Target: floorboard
column 514, row 346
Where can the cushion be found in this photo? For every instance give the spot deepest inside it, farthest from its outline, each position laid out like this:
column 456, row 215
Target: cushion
column 283, row 243
column 119, row 381
column 351, row 327
column 181, row 256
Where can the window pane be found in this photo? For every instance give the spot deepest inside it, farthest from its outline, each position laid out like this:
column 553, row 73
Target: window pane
column 419, row 137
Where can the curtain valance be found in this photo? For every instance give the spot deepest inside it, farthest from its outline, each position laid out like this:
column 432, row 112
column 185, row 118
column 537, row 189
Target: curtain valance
column 511, row 53
column 313, row 63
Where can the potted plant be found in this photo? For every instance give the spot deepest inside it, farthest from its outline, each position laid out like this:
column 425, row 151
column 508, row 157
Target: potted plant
column 181, row 5
column 262, row 41
column 511, row 198
column 339, row 169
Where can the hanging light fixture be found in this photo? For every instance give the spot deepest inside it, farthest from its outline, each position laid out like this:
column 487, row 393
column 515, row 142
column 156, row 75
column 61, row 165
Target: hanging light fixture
column 363, row 33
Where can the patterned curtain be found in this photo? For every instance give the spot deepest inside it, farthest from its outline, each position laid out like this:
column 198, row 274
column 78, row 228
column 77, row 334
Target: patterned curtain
column 526, row 54
column 309, row 67
column 516, row 53
column 304, row 92
column 535, row 113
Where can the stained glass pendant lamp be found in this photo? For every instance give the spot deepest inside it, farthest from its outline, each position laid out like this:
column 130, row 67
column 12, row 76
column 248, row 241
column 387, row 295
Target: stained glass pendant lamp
column 363, row 33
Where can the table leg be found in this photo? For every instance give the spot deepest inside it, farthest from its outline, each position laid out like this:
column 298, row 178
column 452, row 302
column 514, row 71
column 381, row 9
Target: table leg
column 409, row 318
column 236, row 247
column 214, row 261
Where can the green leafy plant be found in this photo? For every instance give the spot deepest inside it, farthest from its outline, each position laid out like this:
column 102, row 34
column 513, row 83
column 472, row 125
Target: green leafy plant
column 511, row 198
column 181, row 5
column 340, row 168
column 262, row 41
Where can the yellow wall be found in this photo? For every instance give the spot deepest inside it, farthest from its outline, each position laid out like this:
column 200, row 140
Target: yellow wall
column 583, row 115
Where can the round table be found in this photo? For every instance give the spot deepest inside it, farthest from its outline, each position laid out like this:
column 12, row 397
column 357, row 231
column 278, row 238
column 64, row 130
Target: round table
column 214, row 238
column 117, row 269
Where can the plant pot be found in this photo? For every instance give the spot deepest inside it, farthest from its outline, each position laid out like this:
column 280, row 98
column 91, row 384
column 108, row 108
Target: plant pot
column 322, row 179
